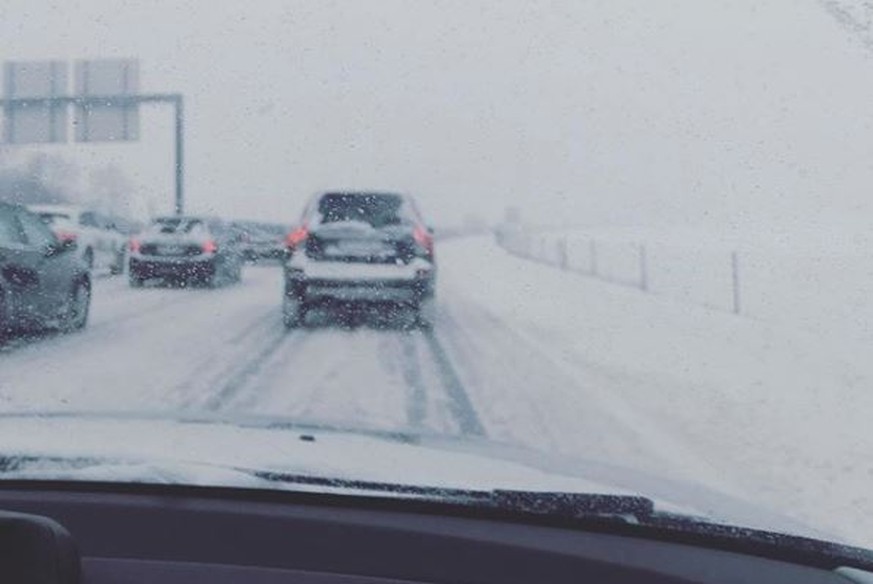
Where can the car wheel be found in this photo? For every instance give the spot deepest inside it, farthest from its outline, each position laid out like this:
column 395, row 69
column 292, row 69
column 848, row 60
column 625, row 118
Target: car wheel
column 88, row 258
column 135, row 280
column 425, row 313
column 118, row 266
column 5, row 317
column 78, row 308
column 293, row 312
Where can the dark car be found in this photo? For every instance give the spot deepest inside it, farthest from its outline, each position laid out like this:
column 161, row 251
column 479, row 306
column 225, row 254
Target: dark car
column 42, row 281
column 360, row 247
column 262, row 241
column 188, row 249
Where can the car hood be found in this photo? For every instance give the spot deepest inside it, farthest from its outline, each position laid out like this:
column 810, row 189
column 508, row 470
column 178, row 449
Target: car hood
column 235, row 451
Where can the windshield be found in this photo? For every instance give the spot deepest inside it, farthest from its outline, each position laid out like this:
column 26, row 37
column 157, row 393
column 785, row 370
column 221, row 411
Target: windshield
column 49, row 218
column 176, row 225
column 614, row 246
column 375, row 210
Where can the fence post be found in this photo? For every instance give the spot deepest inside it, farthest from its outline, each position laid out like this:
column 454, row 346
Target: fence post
column 592, row 252
column 735, row 277
column 644, row 269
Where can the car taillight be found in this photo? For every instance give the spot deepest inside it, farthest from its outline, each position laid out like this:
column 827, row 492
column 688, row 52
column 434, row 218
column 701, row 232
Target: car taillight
column 424, row 239
column 66, row 236
column 296, row 237
column 210, row 247
column 134, row 245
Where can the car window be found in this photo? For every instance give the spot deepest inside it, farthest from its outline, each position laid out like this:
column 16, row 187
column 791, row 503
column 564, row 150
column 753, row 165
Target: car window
column 35, row 231
column 375, row 209
column 10, row 232
column 49, row 217
column 177, row 225
column 88, row 219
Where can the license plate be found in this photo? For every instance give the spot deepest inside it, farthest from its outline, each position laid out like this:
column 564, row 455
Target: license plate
column 359, row 249
column 171, row 249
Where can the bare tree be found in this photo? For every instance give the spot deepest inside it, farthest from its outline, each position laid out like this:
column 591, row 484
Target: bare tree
column 40, row 179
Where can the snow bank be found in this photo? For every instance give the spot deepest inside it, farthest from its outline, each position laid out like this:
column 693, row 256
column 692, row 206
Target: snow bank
column 771, row 411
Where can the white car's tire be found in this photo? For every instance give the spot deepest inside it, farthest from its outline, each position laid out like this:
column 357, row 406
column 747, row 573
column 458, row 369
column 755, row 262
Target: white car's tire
column 425, row 313
column 78, row 308
column 293, row 312
column 88, row 258
column 117, row 267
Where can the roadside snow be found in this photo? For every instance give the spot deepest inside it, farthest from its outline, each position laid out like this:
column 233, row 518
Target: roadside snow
column 776, row 413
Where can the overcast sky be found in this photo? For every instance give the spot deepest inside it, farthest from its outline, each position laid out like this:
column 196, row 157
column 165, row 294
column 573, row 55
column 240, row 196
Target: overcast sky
column 596, row 111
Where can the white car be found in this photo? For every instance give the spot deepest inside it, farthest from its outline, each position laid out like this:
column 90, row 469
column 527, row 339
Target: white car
column 354, row 247
column 99, row 243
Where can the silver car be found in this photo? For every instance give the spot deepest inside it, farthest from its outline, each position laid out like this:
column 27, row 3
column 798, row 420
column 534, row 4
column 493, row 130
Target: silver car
column 360, row 247
column 187, row 249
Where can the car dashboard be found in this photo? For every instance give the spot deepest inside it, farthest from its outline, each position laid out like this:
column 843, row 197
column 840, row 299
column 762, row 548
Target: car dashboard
column 98, row 533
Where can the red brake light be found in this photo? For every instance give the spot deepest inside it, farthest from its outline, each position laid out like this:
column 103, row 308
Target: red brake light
column 134, row 245
column 210, row 247
column 66, row 236
column 296, row 237
column 424, row 239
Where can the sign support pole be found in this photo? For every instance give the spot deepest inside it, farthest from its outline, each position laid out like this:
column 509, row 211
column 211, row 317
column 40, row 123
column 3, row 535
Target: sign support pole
column 180, row 155
column 89, row 101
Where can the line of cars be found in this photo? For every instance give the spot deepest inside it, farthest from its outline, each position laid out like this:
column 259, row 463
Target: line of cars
column 349, row 247
column 101, row 240
column 49, row 255
column 205, row 250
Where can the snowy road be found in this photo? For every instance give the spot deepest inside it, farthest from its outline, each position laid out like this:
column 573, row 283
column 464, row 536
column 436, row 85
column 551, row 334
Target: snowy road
column 170, row 349
column 226, row 350
column 521, row 354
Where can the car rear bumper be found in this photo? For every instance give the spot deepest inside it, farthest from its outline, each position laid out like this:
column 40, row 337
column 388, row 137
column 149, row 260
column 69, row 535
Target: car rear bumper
column 360, row 282
column 163, row 268
column 369, row 291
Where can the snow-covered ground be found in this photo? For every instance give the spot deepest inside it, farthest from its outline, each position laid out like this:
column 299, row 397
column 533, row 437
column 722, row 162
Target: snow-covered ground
column 815, row 278
column 775, row 411
column 523, row 353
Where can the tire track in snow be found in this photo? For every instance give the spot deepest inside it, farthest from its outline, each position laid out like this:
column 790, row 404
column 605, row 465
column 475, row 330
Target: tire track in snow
column 410, row 368
column 460, row 405
column 604, row 408
column 220, row 378
column 137, row 312
column 243, row 372
column 464, row 345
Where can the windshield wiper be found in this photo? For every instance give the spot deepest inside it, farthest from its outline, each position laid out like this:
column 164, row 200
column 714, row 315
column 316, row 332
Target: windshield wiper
column 629, row 508
column 624, row 513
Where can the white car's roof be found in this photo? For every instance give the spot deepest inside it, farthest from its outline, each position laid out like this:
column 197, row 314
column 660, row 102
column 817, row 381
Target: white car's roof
column 69, row 210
